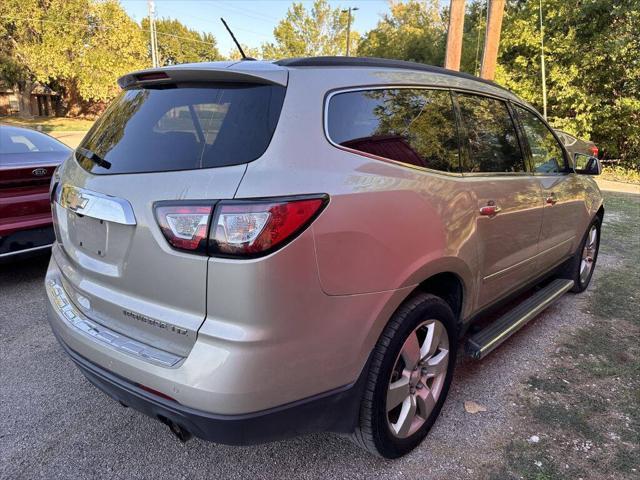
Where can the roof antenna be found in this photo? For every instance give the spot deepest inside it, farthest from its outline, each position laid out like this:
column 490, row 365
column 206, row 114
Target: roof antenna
column 233, row 37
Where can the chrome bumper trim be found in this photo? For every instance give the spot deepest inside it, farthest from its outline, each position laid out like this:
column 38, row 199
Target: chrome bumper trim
column 107, row 337
column 26, row 250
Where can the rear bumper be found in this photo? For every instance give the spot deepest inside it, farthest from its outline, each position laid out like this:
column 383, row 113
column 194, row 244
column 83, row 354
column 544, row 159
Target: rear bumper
column 334, row 411
column 120, row 366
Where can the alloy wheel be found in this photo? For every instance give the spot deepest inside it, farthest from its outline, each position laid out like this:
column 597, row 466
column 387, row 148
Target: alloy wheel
column 588, row 254
column 417, row 378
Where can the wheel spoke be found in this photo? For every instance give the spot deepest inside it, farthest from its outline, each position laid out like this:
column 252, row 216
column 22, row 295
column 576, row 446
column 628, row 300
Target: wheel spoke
column 593, row 235
column 437, row 364
column 432, row 340
column 411, row 351
column 407, row 415
column 398, row 392
column 425, row 403
column 584, row 266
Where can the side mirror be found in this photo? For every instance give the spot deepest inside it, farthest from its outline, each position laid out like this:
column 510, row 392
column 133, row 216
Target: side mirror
column 587, row 164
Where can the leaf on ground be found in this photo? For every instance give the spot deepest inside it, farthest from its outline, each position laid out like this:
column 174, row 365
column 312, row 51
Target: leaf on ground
column 473, row 407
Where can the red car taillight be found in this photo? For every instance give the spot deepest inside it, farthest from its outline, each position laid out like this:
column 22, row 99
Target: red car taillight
column 239, row 228
column 185, row 226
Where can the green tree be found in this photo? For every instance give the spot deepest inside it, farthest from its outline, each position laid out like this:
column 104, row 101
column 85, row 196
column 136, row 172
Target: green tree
column 115, row 46
column 320, row 31
column 79, row 46
column 251, row 52
column 593, row 73
column 180, row 44
column 413, row 30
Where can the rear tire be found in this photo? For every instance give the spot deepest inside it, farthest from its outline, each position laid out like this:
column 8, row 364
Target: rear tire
column 580, row 269
column 415, row 356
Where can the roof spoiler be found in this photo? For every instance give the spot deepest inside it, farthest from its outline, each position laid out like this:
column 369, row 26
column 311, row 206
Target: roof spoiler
column 204, row 73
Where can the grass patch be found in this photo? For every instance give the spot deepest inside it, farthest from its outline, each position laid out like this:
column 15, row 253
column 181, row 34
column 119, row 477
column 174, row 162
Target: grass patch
column 566, row 417
column 532, row 462
column 50, row 124
column 549, row 384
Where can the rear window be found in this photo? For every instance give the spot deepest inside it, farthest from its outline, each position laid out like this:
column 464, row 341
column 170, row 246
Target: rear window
column 182, row 128
column 13, row 140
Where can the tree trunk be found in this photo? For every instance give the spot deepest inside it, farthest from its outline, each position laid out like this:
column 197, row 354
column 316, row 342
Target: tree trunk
column 24, row 98
column 72, row 100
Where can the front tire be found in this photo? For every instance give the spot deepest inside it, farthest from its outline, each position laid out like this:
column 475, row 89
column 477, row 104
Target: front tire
column 584, row 263
column 409, row 377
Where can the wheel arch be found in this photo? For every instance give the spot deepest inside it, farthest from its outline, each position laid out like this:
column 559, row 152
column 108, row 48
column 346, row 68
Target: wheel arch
column 449, row 278
column 448, row 286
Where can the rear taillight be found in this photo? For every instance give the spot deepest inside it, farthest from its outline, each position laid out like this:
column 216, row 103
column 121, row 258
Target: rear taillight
column 185, row 226
column 594, row 150
column 247, row 229
column 239, row 228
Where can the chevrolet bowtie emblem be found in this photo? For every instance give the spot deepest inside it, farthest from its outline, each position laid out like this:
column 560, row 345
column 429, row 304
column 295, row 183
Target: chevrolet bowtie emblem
column 74, row 199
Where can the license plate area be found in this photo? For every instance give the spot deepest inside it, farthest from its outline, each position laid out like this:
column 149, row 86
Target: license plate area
column 88, row 234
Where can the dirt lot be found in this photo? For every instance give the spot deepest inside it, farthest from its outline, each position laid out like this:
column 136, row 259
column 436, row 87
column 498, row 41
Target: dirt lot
column 561, row 398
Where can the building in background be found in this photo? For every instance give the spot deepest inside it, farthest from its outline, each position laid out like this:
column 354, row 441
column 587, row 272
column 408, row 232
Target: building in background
column 43, row 101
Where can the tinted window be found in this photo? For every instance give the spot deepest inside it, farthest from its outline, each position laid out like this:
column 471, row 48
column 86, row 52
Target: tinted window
column 546, row 154
column 190, row 127
column 413, row 126
column 491, row 135
column 21, row 140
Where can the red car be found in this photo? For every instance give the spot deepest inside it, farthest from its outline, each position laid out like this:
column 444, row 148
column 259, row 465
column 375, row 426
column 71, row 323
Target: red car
column 27, row 161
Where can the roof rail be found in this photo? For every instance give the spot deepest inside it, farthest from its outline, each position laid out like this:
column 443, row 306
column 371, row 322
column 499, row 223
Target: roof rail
column 376, row 63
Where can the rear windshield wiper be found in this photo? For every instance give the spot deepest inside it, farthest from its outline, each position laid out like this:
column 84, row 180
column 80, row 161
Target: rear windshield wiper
column 94, row 157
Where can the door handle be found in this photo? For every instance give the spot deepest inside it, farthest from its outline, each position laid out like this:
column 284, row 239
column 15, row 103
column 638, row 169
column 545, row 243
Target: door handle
column 551, row 199
column 490, row 209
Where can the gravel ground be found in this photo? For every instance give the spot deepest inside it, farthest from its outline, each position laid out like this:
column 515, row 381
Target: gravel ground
column 54, row 424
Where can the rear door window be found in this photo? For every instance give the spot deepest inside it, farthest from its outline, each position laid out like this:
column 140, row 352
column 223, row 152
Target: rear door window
column 409, row 125
column 491, row 136
column 182, row 128
column 546, row 153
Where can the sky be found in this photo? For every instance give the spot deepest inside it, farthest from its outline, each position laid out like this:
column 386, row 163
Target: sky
column 252, row 21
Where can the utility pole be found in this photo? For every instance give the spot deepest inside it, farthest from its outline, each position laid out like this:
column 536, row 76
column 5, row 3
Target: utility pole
column 492, row 39
column 454, row 35
column 544, row 74
column 348, row 10
column 152, row 33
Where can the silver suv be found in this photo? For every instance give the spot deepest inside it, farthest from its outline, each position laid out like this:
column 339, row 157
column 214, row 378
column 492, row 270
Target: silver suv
column 248, row 251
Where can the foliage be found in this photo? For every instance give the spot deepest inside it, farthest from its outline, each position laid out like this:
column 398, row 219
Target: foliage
column 593, row 73
column 320, row 31
column 621, row 174
column 115, row 46
column 251, row 52
column 80, row 45
column 413, row 30
column 179, row 44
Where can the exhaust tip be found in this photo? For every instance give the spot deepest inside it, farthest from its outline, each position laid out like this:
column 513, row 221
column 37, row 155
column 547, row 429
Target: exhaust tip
column 179, row 431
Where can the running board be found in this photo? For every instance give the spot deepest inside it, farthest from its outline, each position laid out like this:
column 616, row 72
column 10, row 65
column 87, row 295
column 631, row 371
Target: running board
column 486, row 340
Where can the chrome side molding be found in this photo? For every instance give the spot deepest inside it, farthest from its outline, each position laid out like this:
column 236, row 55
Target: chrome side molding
column 95, row 205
